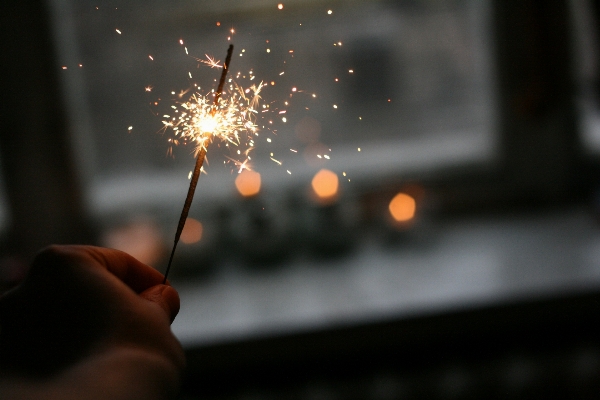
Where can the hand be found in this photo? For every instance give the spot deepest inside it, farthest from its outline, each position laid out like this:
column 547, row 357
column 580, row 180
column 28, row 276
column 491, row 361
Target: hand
column 90, row 323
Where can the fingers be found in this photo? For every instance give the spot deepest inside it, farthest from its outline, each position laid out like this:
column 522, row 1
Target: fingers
column 135, row 274
column 166, row 297
column 140, row 277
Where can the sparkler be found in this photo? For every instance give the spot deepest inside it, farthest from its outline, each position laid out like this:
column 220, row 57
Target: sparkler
column 206, row 126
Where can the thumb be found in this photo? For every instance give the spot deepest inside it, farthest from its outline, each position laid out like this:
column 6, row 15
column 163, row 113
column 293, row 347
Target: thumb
column 166, row 297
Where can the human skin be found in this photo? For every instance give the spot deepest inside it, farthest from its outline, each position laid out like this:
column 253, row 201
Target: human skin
column 89, row 323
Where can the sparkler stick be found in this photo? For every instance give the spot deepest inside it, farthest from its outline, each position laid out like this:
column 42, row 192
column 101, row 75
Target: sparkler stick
column 198, row 167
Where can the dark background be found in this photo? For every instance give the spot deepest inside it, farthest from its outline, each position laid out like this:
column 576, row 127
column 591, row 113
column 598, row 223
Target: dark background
column 541, row 341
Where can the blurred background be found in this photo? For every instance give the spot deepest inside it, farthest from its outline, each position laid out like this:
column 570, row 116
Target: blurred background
column 421, row 222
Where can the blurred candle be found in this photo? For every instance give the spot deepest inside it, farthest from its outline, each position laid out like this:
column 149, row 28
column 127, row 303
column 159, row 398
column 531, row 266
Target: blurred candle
column 192, row 231
column 325, row 185
column 330, row 220
column 402, row 207
column 248, row 183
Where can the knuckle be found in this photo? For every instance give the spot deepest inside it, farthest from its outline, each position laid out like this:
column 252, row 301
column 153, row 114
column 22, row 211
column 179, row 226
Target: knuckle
column 53, row 257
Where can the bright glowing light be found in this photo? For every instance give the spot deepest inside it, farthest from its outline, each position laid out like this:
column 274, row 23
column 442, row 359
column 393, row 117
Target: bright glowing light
column 280, row 6
column 248, row 183
column 208, row 125
column 402, row 207
column 199, row 120
column 192, row 231
column 211, row 62
column 325, row 184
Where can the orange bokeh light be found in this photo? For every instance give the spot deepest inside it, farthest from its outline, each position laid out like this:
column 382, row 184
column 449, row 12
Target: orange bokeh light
column 403, row 207
column 192, row 231
column 325, row 184
column 248, row 183
column 142, row 239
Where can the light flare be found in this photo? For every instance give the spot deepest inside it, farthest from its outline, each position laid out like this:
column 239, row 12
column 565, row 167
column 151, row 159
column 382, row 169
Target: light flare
column 402, row 207
column 231, row 118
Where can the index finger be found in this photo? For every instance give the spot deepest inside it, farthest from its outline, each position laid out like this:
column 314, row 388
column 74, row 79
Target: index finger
column 135, row 274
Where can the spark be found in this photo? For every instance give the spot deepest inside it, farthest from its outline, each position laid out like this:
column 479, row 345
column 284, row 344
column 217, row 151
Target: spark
column 201, row 118
column 280, row 6
column 150, row 57
column 211, row 62
column 148, row 88
column 118, row 31
column 241, row 164
column 277, row 161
